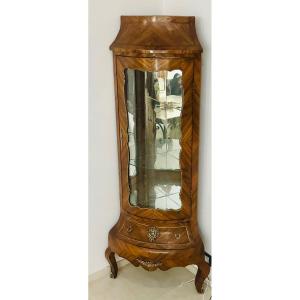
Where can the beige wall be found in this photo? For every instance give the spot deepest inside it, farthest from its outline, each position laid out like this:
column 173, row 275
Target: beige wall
column 104, row 21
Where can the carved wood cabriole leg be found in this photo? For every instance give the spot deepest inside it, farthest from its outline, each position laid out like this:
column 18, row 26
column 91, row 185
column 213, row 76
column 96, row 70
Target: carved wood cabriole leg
column 110, row 256
column 202, row 273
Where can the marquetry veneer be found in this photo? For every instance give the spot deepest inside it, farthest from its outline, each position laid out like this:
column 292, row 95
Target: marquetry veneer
column 147, row 237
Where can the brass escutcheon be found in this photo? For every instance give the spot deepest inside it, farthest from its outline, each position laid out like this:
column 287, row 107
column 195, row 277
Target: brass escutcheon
column 153, row 234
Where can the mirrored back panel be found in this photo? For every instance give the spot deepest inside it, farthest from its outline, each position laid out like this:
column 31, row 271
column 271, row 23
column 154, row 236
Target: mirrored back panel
column 154, row 105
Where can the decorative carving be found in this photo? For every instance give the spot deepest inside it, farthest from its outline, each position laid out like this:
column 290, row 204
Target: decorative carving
column 148, row 263
column 153, row 234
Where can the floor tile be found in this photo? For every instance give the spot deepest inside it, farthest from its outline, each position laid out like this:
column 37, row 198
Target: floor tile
column 137, row 284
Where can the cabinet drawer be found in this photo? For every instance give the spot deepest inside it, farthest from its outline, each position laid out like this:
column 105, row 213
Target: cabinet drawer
column 155, row 234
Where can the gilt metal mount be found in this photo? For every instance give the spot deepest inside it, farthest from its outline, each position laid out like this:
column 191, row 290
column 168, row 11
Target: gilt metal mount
column 153, row 234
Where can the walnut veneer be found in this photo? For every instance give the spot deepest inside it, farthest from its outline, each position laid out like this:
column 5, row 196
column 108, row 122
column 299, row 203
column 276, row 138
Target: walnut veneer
column 154, row 238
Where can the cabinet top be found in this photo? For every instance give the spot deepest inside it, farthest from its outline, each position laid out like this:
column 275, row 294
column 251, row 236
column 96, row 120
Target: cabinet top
column 155, row 36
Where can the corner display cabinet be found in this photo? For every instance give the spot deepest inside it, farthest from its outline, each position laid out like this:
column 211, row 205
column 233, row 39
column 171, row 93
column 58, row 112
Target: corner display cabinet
column 157, row 88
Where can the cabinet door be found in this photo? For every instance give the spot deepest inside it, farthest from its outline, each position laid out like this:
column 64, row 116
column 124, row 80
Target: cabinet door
column 155, row 136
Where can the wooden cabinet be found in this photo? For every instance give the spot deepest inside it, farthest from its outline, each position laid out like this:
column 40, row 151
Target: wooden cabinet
column 157, row 93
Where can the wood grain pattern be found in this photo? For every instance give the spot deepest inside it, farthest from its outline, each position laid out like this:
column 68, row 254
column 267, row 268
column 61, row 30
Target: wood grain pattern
column 151, row 36
column 154, row 238
column 110, row 256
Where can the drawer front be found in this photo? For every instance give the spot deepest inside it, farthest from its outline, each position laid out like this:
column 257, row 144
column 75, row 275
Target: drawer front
column 155, row 234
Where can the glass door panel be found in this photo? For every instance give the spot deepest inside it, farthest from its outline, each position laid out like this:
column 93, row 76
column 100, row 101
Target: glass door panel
column 154, row 105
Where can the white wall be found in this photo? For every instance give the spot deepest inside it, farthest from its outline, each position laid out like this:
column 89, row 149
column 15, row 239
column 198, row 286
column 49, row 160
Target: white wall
column 104, row 22
column 201, row 9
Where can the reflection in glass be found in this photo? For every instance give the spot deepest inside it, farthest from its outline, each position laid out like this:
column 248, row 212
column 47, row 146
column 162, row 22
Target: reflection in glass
column 154, row 104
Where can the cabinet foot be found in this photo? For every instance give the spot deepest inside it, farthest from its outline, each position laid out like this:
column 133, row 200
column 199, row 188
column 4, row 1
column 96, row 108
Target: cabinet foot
column 202, row 273
column 110, row 256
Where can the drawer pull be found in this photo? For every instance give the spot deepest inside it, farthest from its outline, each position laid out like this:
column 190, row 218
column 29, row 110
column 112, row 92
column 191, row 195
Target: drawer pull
column 177, row 236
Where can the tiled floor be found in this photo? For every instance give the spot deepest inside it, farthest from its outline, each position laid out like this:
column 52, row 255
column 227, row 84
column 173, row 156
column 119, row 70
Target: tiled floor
column 137, row 284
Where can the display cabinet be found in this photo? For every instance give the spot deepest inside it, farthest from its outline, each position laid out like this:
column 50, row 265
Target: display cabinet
column 157, row 62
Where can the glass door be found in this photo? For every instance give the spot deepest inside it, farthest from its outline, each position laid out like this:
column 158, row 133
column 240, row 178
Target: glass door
column 154, row 106
column 155, row 123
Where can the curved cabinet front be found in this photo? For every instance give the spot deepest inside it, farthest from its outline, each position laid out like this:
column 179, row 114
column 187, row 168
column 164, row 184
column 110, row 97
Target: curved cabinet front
column 157, row 61
column 154, row 107
column 155, row 235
